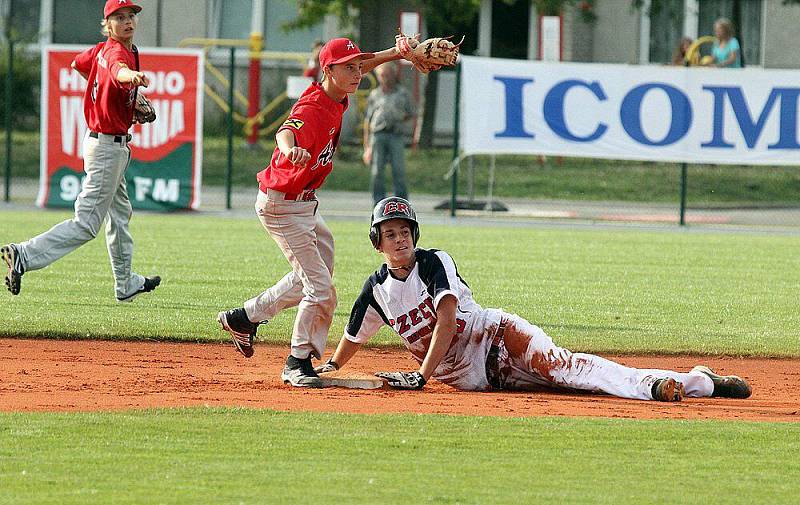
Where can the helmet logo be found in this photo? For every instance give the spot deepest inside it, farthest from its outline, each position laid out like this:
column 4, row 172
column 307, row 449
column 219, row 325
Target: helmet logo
column 396, row 207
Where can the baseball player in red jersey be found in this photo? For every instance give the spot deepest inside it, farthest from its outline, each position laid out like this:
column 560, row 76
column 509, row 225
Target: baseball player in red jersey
column 421, row 296
column 288, row 209
column 113, row 75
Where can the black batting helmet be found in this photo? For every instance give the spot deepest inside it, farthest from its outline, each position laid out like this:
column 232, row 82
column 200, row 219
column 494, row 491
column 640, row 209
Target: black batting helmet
column 393, row 207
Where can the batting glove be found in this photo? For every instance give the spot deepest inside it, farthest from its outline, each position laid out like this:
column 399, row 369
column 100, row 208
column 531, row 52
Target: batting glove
column 328, row 366
column 403, row 380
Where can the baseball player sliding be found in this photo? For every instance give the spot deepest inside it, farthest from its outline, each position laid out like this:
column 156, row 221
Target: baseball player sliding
column 287, row 207
column 420, row 295
column 112, row 69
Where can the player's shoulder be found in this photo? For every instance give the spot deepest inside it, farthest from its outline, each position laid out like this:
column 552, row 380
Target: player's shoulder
column 375, row 279
column 114, row 52
column 92, row 51
column 379, row 276
column 304, row 114
column 432, row 255
column 431, row 261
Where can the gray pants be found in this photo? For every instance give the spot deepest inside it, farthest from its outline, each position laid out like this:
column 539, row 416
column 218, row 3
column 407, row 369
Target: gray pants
column 307, row 243
column 388, row 148
column 104, row 194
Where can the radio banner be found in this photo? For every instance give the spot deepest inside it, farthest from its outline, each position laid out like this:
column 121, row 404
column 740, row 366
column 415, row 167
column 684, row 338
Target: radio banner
column 165, row 169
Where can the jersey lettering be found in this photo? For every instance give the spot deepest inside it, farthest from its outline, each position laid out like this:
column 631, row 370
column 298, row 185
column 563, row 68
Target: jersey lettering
column 421, row 333
column 325, row 156
column 94, row 91
column 427, row 310
column 402, row 324
column 414, row 314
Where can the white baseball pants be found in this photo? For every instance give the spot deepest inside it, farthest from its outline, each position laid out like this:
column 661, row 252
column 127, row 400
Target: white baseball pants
column 307, row 243
column 532, row 359
column 104, row 194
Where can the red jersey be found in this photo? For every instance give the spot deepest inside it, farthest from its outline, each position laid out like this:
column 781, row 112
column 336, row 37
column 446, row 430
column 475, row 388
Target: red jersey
column 108, row 103
column 316, row 121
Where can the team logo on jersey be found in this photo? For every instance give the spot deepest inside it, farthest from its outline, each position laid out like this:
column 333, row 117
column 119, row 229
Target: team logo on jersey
column 396, row 207
column 94, row 90
column 294, row 123
column 325, row 156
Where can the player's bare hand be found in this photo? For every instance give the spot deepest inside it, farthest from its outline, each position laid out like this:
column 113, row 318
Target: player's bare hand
column 367, row 156
column 298, row 156
column 328, row 366
column 403, row 380
column 140, row 79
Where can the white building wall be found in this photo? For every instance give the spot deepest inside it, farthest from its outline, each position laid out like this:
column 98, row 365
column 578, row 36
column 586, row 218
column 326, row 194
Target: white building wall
column 779, row 35
column 616, row 32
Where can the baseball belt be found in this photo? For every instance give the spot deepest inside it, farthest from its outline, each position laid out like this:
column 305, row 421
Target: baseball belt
column 119, row 139
column 307, row 195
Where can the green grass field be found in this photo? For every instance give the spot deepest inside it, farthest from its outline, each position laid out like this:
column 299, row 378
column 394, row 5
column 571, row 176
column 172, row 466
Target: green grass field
column 593, row 290
column 517, row 176
column 246, row 456
column 629, row 291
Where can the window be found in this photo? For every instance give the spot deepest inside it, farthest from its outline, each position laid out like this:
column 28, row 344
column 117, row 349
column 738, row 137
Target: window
column 746, row 18
column 666, row 29
column 25, row 24
column 234, row 18
column 233, row 21
column 279, row 12
column 77, row 21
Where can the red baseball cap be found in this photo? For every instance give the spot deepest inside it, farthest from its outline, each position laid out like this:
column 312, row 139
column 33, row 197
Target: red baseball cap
column 340, row 51
column 113, row 6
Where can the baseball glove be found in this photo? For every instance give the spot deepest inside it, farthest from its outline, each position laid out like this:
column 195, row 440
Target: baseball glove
column 403, row 380
column 428, row 55
column 143, row 111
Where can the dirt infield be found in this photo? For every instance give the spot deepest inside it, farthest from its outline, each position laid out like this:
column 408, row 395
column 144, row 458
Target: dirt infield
column 53, row 375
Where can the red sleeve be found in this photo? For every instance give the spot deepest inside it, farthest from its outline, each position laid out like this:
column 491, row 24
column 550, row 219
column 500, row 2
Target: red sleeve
column 114, row 57
column 85, row 60
column 300, row 122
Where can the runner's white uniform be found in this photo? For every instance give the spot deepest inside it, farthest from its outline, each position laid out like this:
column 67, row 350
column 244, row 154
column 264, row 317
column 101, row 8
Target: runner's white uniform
column 491, row 348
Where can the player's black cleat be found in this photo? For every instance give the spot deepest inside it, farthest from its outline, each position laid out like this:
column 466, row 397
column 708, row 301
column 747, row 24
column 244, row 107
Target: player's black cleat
column 150, row 283
column 12, row 260
column 300, row 373
column 726, row 386
column 242, row 330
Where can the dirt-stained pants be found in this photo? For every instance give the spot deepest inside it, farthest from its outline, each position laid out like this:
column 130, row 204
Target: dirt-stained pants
column 530, row 359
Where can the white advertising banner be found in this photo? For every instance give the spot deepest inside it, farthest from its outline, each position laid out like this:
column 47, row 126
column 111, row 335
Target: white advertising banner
column 675, row 114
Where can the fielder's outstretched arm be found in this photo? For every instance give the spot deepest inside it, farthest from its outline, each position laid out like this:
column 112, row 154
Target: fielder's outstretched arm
column 380, row 58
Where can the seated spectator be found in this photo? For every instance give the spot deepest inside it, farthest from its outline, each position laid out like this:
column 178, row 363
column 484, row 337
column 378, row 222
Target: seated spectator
column 679, row 55
column 726, row 51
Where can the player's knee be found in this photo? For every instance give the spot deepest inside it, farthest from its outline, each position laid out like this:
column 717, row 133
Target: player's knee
column 332, row 300
column 87, row 231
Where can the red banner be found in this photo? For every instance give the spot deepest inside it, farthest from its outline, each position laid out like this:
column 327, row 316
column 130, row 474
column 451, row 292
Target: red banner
column 165, row 169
